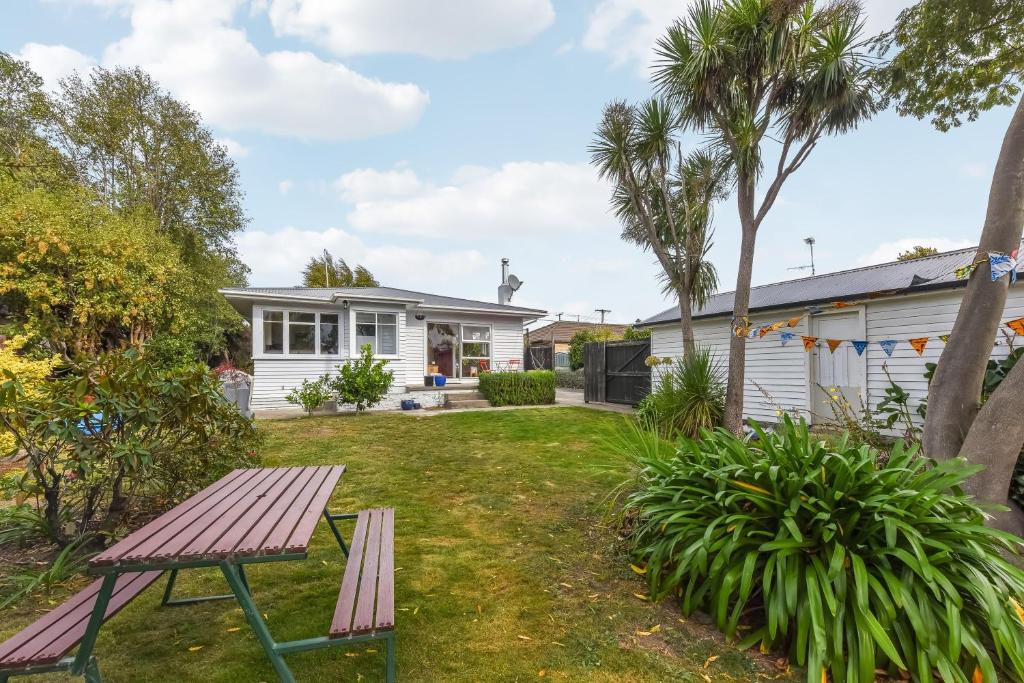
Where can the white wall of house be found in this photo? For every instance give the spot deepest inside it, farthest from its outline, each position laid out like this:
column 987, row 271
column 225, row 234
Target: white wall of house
column 276, row 374
column 779, row 377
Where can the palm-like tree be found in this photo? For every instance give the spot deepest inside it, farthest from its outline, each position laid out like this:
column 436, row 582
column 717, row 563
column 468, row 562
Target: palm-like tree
column 743, row 71
column 663, row 200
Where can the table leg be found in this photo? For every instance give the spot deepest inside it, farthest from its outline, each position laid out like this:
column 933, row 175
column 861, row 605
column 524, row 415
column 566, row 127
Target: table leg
column 331, row 518
column 92, row 672
column 255, row 619
column 168, row 601
column 99, row 610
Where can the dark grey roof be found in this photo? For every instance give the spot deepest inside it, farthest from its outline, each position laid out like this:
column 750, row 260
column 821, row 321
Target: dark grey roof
column 379, row 293
column 922, row 274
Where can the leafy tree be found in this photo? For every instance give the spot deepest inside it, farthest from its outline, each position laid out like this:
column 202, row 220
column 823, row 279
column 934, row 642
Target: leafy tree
column 581, row 339
column 362, row 382
column 955, row 59
column 328, row 271
column 31, row 372
column 916, row 253
column 745, row 72
column 662, row 198
column 633, row 334
column 84, row 278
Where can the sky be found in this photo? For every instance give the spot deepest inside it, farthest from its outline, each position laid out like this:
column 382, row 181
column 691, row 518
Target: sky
column 427, row 140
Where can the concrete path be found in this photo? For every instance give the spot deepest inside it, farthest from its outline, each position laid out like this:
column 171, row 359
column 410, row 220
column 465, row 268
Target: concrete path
column 564, row 398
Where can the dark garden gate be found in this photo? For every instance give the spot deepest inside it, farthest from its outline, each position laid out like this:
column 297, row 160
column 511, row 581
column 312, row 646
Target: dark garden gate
column 617, row 372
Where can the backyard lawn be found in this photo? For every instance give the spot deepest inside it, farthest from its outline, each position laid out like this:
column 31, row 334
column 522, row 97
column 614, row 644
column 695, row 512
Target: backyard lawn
column 505, row 572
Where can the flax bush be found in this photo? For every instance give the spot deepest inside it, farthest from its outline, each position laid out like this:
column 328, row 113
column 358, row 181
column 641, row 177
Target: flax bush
column 847, row 561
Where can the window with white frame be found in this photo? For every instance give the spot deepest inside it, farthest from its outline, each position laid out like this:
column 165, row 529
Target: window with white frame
column 379, row 330
column 301, row 333
column 476, row 349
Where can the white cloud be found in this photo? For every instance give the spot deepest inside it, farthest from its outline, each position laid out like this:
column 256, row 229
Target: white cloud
column 235, row 148
column 565, row 48
column 54, row 62
column 277, row 258
column 628, row 29
column 888, row 251
column 448, row 29
column 285, row 186
column 516, row 199
column 975, row 169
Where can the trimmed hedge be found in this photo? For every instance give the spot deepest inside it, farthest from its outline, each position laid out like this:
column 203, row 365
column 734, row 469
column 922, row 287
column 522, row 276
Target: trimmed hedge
column 570, row 379
column 533, row 387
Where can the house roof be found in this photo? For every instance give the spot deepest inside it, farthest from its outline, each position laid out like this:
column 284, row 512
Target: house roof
column 385, row 294
column 561, row 331
column 899, row 277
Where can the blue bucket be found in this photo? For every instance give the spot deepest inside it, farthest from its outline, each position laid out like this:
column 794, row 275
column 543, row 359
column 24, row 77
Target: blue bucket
column 408, row 404
column 439, row 380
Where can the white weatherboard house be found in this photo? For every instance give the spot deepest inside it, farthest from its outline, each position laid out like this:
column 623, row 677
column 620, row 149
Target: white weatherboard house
column 301, row 333
column 900, row 300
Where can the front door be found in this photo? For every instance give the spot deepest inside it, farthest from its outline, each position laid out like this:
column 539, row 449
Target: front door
column 443, row 349
column 839, row 373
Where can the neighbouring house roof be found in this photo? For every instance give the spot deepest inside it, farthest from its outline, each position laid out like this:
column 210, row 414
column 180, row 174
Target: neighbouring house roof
column 562, row 331
column 899, row 277
column 377, row 294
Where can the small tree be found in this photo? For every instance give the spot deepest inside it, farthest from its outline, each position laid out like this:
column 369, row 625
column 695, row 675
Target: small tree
column 311, row 395
column 916, row 253
column 633, row 334
column 580, row 340
column 362, row 382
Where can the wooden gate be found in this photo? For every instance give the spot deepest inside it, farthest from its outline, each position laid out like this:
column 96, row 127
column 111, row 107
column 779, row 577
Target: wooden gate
column 617, row 372
column 539, row 357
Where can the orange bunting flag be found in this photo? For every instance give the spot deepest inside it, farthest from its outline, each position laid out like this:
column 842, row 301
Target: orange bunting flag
column 793, row 322
column 918, row 344
column 833, row 344
column 764, row 330
column 1017, row 326
column 841, row 304
column 809, row 342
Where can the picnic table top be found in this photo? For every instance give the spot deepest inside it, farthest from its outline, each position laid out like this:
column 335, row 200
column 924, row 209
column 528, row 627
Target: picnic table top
column 248, row 513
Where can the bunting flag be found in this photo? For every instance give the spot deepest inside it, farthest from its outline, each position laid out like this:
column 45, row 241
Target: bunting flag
column 944, row 338
column 754, row 331
column 1001, row 265
column 764, row 330
column 843, row 304
column 888, row 345
column 809, row 342
column 833, row 344
column 1017, row 326
column 918, row 344
column 859, row 345
column 786, row 337
column 793, row 322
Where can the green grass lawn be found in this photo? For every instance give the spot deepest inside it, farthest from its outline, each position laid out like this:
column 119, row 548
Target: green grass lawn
column 504, row 571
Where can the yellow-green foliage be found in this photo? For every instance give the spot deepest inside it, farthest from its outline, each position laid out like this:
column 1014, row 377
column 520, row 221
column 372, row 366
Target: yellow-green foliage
column 84, row 277
column 31, row 373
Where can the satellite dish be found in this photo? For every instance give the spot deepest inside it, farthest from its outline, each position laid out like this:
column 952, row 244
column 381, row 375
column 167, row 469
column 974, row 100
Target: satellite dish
column 514, row 282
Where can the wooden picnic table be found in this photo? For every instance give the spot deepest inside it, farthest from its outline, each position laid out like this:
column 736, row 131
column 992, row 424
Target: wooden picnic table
column 249, row 516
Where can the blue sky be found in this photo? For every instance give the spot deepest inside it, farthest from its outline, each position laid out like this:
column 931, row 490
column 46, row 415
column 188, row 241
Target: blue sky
column 428, row 140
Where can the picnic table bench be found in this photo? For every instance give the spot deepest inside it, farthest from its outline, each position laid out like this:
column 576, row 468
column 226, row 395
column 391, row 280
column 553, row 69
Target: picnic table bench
column 250, row 516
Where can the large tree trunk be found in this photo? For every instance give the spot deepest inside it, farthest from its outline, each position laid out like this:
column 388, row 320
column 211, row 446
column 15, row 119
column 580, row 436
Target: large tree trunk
column 686, row 321
column 956, row 388
column 733, row 419
column 995, row 441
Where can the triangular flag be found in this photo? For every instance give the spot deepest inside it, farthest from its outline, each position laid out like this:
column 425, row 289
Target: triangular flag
column 944, row 338
column 964, row 272
column 1001, row 264
column 809, row 342
column 1017, row 326
column 775, row 327
column 918, row 344
column 754, row 331
column 764, row 330
column 888, row 345
column 859, row 345
column 793, row 322
column 841, row 304
column 786, row 337
column 833, row 344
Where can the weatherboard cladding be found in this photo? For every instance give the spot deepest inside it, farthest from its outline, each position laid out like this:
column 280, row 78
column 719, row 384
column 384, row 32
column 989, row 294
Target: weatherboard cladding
column 423, row 299
column 917, row 275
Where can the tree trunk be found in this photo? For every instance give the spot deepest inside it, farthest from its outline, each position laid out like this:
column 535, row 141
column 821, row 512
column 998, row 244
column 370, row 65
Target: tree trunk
column 733, row 419
column 686, row 321
column 956, row 387
column 995, row 441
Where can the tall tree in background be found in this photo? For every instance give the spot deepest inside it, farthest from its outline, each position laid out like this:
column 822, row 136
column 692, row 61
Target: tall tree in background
column 748, row 71
column 955, row 59
column 663, row 199
column 916, row 253
column 327, row 271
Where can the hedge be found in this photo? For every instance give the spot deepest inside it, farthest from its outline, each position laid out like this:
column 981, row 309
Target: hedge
column 533, row 387
column 570, row 379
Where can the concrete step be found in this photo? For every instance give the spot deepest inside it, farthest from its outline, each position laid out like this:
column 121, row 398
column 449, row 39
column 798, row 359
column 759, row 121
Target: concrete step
column 465, row 395
column 473, row 403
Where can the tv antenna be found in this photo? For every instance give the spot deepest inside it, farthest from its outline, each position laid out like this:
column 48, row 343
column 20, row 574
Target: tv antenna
column 809, row 241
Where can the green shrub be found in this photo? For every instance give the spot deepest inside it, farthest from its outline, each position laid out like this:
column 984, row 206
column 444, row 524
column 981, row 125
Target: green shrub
column 311, row 395
column 114, row 435
column 533, row 387
column 850, row 561
column 570, row 379
column 362, row 382
column 689, row 397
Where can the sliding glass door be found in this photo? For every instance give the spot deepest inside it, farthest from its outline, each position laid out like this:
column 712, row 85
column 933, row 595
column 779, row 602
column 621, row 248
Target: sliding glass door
column 458, row 351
